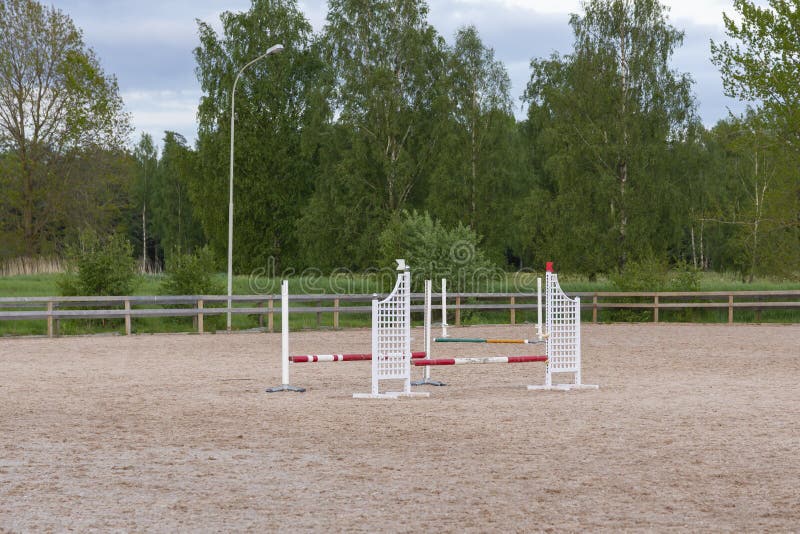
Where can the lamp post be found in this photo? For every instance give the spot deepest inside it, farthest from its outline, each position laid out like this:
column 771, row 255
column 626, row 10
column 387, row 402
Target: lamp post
column 272, row 50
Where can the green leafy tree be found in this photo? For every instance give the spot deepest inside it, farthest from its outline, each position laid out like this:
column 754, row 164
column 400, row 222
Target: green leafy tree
column 146, row 155
column 753, row 204
column 476, row 177
column 174, row 222
column 761, row 63
column 607, row 117
column 280, row 110
column 386, row 60
column 56, row 103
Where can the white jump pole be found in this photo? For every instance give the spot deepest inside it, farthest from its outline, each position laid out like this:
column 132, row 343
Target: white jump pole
column 426, row 372
column 539, row 308
column 444, row 307
column 285, row 386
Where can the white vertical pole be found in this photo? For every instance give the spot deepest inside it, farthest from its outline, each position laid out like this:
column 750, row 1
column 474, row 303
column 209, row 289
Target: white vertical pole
column 376, row 352
column 444, row 307
column 285, row 343
column 407, row 329
column 548, row 303
column 285, row 332
column 578, row 341
column 426, row 373
column 539, row 307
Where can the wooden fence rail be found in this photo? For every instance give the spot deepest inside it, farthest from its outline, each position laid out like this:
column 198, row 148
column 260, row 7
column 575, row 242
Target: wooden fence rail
column 129, row 308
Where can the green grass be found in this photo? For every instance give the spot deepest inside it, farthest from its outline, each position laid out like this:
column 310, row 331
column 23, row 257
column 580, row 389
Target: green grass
column 46, row 285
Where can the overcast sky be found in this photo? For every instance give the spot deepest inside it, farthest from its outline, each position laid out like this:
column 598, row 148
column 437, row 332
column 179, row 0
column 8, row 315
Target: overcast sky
column 148, row 45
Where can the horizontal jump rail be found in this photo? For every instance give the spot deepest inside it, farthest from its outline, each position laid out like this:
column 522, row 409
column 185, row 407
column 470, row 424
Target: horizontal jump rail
column 488, row 359
column 486, row 340
column 315, row 358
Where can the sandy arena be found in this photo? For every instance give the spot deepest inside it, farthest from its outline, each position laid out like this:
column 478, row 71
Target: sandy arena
column 694, row 427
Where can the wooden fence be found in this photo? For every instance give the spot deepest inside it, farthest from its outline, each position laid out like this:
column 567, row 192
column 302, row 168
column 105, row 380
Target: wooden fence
column 54, row 309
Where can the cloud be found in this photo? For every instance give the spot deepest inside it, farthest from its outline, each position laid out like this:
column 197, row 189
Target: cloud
column 148, row 45
column 157, row 111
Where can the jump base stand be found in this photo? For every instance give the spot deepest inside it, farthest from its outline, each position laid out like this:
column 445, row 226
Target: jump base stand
column 427, row 382
column 285, row 387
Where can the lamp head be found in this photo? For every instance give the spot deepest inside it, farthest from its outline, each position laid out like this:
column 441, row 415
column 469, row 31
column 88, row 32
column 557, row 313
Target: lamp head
column 275, row 49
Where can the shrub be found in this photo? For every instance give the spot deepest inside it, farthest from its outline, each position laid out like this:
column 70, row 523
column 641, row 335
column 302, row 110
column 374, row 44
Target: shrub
column 191, row 274
column 653, row 274
column 99, row 266
column 433, row 251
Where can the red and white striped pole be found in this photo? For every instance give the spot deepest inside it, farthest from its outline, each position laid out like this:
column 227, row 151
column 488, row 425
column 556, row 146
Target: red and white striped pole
column 487, row 359
column 319, row 358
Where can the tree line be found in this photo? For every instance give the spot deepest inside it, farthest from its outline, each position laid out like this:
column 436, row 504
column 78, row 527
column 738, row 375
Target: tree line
column 377, row 121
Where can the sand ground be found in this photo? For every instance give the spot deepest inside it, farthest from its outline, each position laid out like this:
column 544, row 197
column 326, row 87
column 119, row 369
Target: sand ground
column 694, row 427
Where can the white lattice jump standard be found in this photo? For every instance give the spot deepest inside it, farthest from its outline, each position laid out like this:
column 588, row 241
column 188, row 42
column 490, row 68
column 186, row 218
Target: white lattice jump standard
column 391, row 340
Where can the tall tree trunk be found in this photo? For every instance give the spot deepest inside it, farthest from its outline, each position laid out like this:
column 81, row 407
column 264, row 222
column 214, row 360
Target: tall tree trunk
column 623, row 217
column 703, row 264
column 474, row 162
column 144, row 237
column 27, row 204
column 622, row 167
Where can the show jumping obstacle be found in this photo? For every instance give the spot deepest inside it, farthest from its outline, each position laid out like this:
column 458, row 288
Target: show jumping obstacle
column 391, row 340
column 562, row 339
column 391, row 354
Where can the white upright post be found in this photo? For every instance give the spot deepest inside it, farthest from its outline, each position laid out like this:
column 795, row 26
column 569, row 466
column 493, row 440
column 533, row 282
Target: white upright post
column 285, row 386
column 426, row 370
column 444, row 307
column 284, row 332
column 539, row 308
column 376, row 357
column 426, row 373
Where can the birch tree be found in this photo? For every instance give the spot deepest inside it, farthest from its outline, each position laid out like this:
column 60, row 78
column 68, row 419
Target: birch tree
column 609, row 113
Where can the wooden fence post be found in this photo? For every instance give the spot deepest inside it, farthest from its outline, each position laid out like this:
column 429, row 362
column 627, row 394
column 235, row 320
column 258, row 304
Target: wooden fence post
column 458, row 310
column 127, row 317
column 270, row 316
column 199, row 316
column 655, row 308
column 513, row 311
column 49, row 318
column 594, row 308
column 730, row 309
column 335, row 313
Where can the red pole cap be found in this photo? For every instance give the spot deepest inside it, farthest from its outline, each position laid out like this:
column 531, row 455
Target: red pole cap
column 549, row 267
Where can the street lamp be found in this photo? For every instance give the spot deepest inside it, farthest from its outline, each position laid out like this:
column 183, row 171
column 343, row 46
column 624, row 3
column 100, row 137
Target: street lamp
column 272, row 50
